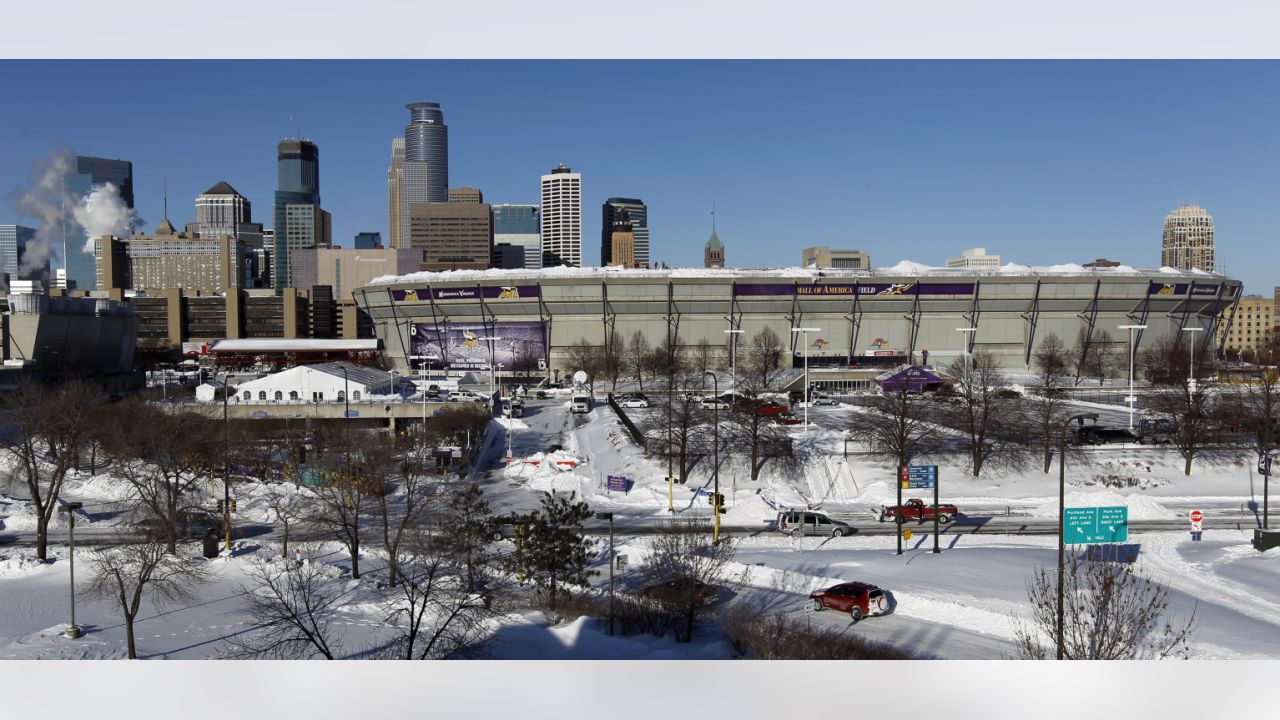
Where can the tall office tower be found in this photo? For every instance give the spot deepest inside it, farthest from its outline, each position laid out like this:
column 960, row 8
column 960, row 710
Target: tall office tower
column 562, row 218
column 639, row 216
column 518, row 225
column 1188, row 239
column 452, row 236
column 395, row 175
column 220, row 211
column 368, row 241
column 466, row 194
column 425, row 169
column 299, row 221
column 622, row 242
column 13, row 244
column 93, row 172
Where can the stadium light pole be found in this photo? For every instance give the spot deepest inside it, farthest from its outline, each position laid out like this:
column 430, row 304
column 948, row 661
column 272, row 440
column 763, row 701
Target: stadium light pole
column 1062, row 511
column 1132, row 399
column 715, row 467
column 70, row 509
column 805, row 342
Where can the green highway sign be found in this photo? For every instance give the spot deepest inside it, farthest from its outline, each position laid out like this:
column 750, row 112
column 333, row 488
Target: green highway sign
column 1095, row 525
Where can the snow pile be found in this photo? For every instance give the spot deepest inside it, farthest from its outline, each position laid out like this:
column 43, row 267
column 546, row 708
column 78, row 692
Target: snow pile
column 1067, row 268
column 1015, row 268
column 14, row 566
column 907, row 267
column 22, row 518
column 1140, row 507
column 540, row 471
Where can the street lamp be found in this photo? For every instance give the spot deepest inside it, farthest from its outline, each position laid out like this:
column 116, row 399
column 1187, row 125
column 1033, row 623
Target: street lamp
column 733, row 358
column 609, row 516
column 806, row 332
column 1062, row 510
column 715, row 467
column 226, row 461
column 1191, row 363
column 70, row 509
column 1132, row 399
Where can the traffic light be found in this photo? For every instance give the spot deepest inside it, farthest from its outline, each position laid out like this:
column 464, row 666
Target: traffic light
column 233, row 506
column 219, row 506
column 716, row 500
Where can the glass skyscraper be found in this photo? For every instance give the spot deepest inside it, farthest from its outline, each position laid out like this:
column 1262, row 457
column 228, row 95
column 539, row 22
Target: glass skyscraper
column 299, row 221
column 92, row 172
column 419, row 170
column 518, row 225
column 638, row 214
column 13, row 243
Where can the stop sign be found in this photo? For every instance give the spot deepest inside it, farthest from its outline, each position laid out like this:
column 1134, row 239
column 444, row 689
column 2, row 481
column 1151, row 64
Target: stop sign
column 1196, row 516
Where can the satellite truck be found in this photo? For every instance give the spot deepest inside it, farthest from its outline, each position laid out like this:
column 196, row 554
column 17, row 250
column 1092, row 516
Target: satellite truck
column 581, row 402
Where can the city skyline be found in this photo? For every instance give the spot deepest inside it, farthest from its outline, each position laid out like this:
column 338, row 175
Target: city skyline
column 1040, row 162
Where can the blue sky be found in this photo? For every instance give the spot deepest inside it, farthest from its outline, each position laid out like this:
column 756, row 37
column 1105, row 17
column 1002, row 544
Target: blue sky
column 1042, row 162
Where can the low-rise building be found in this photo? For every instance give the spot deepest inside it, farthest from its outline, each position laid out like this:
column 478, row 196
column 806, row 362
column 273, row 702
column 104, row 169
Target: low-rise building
column 1251, row 328
column 823, row 257
column 326, row 382
column 974, row 258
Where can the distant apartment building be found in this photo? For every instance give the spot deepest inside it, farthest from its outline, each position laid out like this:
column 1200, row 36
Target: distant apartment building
column 466, row 194
column 452, row 236
column 13, row 245
column 638, row 216
column 561, row 218
column 1252, row 327
column 169, row 259
column 345, row 270
column 823, row 257
column 974, row 258
column 1188, row 239
column 507, row 257
column 519, row 225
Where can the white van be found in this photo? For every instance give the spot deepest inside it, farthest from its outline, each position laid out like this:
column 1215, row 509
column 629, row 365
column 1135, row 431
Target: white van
column 581, row 404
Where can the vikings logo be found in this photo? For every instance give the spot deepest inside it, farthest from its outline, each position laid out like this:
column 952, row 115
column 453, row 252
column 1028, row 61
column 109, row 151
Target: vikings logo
column 1165, row 289
column 508, row 293
column 410, row 295
column 897, row 289
column 879, row 343
column 469, row 339
column 819, row 343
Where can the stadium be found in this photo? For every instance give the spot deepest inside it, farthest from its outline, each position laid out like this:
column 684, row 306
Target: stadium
column 861, row 322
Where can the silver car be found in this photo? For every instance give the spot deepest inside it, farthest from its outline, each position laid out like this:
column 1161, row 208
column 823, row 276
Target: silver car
column 807, row 522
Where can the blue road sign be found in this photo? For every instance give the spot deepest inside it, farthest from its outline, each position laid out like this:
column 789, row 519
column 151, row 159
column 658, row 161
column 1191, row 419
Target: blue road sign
column 620, row 483
column 920, row 477
column 353, row 413
column 1095, row 525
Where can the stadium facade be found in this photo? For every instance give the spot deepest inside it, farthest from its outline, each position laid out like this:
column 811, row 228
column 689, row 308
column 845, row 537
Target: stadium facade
column 867, row 320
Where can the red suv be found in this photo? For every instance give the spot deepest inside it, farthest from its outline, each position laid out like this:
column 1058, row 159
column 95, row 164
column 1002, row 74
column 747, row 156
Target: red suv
column 856, row 598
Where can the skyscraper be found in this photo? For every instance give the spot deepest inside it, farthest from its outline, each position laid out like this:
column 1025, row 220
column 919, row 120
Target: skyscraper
column 1188, row 239
column 299, row 221
column 518, row 225
column 395, row 175
column 93, row 172
column 639, row 216
column 13, row 243
column 222, row 211
column 367, row 241
column 452, row 236
column 622, row 242
column 424, row 175
column 562, row 218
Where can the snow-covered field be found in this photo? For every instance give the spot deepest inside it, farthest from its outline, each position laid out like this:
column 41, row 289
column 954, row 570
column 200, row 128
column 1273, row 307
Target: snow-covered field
column 960, row 603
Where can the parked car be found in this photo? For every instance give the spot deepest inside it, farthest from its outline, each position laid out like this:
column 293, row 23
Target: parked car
column 786, row 418
column 517, row 407
column 680, row 590
column 713, row 403
column 915, row 509
column 634, row 402
column 798, row 522
column 770, row 408
column 856, row 598
column 1156, row 431
column 466, row 396
column 1100, row 435
column 823, row 400
column 191, row 524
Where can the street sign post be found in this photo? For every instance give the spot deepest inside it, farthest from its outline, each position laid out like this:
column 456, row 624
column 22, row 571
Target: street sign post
column 1264, row 464
column 1197, row 518
column 1096, row 525
column 920, row 477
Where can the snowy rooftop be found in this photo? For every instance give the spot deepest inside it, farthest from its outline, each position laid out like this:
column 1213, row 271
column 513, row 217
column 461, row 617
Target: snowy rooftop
column 293, row 345
column 904, row 268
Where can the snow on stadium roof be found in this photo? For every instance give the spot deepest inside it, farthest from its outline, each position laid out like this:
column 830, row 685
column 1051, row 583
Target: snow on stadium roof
column 294, row 345
column 904, row 268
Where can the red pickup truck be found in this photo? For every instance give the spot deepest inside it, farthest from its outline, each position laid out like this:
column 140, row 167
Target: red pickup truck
column 915, row 509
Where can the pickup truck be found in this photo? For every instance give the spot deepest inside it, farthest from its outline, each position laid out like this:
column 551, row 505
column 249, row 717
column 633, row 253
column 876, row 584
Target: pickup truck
column 915, row 509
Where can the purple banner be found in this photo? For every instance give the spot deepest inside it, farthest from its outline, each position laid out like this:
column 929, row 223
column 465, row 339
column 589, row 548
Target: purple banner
column 1180, row 289
column 490, row 292
column 462, row 346
column 824, row 290
column 620, row 483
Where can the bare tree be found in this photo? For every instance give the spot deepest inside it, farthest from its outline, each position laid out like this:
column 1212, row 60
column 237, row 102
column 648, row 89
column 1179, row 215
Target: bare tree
column 286, row 504
column 347, row 494
column 1189, row 405
column 401, row 502
column 1103, row 356
column 50, row 425
column 685, row 570
column 898, row 427
column 1110, row 612
column 436, row 610
column 702, row 357
column 762, row 358
column 982, row 411
column 680, row 417
column 292, row 610
column 1260, row 400
column 750, row 428
column 612, row 362
column 129, row 573
column 590, row 359
column 1045, row 408
column 638, row 356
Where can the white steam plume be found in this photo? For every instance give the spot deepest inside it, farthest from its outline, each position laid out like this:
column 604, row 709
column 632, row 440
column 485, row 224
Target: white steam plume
column 103, row 212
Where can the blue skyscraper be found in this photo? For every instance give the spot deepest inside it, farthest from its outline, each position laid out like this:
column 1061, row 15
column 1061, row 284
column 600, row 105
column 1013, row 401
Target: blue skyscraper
column 368, row 240
column 13, row 243
column 419, row 169
column 299, row 221
column 92, row 172
column 519, row 225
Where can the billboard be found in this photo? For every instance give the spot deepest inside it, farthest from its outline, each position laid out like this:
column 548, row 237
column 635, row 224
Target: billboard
column 460, row 345
column 488, row 292
column 1180, row 289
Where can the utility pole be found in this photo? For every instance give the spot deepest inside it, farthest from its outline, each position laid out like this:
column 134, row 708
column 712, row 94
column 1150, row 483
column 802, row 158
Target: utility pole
column 70, row 509
column 609, row 516
column 805, row 343
column 1132, row 399
column 715, row 468
column 226, row 462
